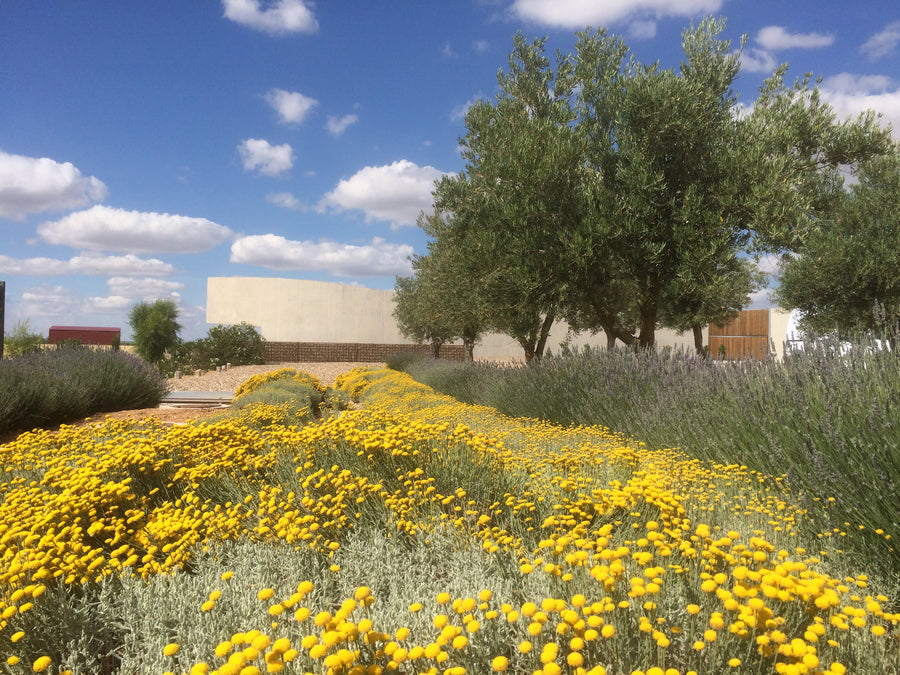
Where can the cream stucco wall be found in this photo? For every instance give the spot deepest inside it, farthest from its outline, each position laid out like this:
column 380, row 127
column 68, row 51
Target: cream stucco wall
column 778, row 327
column 298, row 310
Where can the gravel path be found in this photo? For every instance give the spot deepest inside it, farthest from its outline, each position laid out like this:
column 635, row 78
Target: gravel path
column 229, row 380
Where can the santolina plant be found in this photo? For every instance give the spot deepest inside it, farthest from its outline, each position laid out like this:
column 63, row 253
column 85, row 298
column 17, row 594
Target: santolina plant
column 417, row 535
column 828, row 417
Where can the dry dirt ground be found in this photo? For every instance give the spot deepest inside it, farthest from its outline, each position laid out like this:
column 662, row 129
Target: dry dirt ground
column 213, row 381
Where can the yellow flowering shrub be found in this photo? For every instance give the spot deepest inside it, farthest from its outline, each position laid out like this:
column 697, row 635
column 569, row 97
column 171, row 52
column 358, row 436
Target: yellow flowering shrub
column 608, row 556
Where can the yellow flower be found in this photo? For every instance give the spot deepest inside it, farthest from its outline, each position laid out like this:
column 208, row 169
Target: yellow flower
column 499, row 664
column 171, row 649
column 223, row 648
column 41, row 664
column 460, row 642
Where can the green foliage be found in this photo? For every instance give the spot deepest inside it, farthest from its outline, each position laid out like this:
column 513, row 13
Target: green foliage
column 154, row 328
column 418, row 314
column 239, row 345
column 49, row 388
column 20, row 340
column 850, row 263
column 506, row 218
column 622, row 196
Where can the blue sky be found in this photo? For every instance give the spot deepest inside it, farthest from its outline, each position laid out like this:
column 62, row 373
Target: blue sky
column 145, row 146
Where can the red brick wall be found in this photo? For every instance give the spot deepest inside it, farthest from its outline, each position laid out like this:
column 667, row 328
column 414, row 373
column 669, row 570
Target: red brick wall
column 318, row 352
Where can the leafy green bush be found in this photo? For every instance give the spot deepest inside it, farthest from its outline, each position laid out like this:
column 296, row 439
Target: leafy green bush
column 48, row 388
column 21, row 340
column 239, row 345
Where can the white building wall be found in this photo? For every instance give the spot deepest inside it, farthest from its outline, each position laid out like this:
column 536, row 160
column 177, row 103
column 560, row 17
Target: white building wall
column 298, row 310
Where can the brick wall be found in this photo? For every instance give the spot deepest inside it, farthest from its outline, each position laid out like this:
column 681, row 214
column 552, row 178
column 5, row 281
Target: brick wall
column 319, row 352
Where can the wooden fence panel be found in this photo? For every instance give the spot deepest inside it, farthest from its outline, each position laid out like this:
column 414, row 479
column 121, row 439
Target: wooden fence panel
column 747, row 336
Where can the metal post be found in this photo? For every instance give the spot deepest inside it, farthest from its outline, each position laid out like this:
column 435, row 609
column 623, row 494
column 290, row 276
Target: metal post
column 2, row 307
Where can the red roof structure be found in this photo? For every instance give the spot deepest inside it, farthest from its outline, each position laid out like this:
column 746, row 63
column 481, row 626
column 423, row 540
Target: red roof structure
column 89, row 335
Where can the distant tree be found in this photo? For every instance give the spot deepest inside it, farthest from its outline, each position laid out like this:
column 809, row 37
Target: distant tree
column 851, row 261
column 155, row 328
column 418, row 312
column 21, row 340
column 446, row 273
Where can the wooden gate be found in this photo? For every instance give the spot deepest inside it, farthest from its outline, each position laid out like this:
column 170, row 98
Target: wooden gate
column 747, row 336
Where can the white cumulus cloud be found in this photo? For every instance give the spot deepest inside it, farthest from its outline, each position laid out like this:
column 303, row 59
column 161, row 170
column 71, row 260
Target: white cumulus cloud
column 87, row 263
column 101, row 228
column 45, row 300
column 338, row 125
column 285, row 200
column 376, row 259
column 292, row 106
column 271, row 160
column 281, row 17
column 882, row 43
column 34, row 185
column 851, row 95
column 642, row 30
column 396, row 192
column 130, row 287
column 777, row 37
column 581, row 13
column 757, row 60
column 107, row 304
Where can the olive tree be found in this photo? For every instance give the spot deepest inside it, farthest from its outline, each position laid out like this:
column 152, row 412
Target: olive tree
column 851, row 261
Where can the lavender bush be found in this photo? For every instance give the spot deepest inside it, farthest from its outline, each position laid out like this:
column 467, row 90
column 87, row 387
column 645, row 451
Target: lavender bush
column 54, row 387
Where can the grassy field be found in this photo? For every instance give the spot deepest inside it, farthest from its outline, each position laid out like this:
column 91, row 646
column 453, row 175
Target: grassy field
column 415, row 535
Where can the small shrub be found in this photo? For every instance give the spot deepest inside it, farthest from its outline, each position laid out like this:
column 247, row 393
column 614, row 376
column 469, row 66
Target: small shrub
column 239, row 345
column 21, row 340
